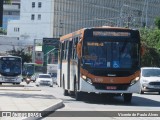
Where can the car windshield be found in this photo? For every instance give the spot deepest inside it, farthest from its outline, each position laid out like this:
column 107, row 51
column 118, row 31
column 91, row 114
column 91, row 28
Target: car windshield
column 110, row 55
column 44, row 76
column 151, row 72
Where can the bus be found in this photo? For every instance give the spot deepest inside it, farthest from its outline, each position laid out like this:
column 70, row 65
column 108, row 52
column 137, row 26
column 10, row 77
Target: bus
column 10, row 69
column 28, row 70
column 102, row 60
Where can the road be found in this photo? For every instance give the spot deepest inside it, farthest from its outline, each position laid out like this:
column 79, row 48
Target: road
column 146, row 102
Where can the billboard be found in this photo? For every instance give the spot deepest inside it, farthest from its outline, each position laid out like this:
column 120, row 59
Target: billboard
column 48, row 45
column 39, row 57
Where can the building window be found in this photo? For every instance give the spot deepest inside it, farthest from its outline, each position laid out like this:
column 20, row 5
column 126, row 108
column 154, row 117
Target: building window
column 39, row 4
column 39, row 16
column 33, row 4
column 32, row 17
column 16, row 29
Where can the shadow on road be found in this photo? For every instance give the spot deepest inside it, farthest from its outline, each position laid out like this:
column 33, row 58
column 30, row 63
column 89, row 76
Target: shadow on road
column 26, row 95
column 118, row 100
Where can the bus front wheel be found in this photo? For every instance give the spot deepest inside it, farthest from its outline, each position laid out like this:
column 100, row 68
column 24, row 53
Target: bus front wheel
column 78, row 95
column 127, row 97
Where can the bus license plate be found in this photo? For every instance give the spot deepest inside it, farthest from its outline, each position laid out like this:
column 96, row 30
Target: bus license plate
column 111, row 87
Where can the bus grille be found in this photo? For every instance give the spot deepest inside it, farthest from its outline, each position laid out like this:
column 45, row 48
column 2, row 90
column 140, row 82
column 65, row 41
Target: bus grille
column 118, row 86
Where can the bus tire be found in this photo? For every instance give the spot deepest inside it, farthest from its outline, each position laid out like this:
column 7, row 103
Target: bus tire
column 65, row 92
column 78, row 95
column 127, row 97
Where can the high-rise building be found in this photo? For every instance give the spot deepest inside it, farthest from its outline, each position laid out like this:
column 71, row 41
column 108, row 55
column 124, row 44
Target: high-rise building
column 11, row 11
column 1, row 12
column 55, row 18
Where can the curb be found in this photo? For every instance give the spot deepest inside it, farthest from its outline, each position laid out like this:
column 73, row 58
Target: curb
column 20, row 89
column 47, row 111
column 12, row 86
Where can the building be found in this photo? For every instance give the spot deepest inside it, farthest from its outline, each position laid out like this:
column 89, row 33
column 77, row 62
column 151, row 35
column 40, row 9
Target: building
column 1, row 12
column 10, row 12
column 54, row 18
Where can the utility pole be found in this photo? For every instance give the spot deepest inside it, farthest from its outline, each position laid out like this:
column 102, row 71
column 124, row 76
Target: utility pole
column 33, row 53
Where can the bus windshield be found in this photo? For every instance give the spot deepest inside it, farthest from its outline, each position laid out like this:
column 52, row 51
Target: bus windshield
column 10, row 66
column 29, row 69
column 110, row 54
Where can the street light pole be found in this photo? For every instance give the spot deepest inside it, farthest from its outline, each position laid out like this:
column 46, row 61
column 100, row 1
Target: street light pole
column 48, row 53
column 33, row 55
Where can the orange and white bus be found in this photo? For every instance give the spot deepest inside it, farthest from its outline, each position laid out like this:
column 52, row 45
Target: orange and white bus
column 100, row 60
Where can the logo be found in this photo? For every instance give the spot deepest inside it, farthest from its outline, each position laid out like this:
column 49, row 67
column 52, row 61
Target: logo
column 111, row 80
column 6, row 114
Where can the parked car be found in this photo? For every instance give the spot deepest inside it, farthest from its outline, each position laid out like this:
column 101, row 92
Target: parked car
column 44, row 79
column 150, row 79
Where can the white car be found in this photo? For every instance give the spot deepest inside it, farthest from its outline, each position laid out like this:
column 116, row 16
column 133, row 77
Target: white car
column 44, row 79
column 150, row 79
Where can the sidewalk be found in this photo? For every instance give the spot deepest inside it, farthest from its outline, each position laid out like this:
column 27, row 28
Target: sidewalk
column 26, row 99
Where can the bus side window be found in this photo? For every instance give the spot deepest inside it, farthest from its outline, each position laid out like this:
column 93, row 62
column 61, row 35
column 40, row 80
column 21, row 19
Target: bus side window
column 61, row 50
column 65, row 50
column 76, row 42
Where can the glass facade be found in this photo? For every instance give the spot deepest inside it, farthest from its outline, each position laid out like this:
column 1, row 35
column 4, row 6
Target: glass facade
column 71, row 15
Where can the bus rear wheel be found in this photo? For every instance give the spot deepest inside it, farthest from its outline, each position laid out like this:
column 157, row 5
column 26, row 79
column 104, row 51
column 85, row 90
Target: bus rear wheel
column 127, row 97
column 65, row 92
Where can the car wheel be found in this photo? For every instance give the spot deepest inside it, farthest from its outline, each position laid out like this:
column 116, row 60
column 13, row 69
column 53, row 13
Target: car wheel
column 159, row 93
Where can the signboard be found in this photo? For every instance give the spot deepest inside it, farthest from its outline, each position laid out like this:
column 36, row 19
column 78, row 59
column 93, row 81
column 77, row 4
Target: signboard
column 39, row 58
column 48, row 45
column 110, row 33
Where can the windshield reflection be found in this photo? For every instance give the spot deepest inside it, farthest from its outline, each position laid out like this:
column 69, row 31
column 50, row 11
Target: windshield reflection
column 110, row 55
column 10, row 67
column 151, row 72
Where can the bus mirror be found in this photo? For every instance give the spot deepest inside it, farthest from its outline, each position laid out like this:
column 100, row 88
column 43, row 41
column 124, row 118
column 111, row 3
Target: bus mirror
column 79, row 46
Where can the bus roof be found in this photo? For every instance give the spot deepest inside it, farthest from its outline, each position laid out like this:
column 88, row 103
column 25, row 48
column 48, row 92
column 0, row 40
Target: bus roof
column 78, row 32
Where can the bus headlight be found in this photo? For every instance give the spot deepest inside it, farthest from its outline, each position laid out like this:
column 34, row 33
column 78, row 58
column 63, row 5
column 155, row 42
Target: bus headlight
column 134, row 81
column 84, row 77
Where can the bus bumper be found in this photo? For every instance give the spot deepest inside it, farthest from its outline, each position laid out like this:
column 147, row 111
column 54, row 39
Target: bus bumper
column 17, row 79
column 87, row 87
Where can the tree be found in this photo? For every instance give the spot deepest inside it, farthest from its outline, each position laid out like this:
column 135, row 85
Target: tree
column 157, row 22
column 151, row 39
column 21, row 53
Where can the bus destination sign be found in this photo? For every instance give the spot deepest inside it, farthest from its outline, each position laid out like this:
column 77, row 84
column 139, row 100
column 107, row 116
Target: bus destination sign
column 111, row 33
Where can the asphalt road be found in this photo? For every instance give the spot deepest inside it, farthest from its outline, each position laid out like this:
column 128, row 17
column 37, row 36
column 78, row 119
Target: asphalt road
column 97, row 104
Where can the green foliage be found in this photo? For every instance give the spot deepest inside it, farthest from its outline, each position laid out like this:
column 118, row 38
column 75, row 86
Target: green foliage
column 157, row 22
column 151, row 39
column 7, row 1
column 2, row 31
column 21, row 53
